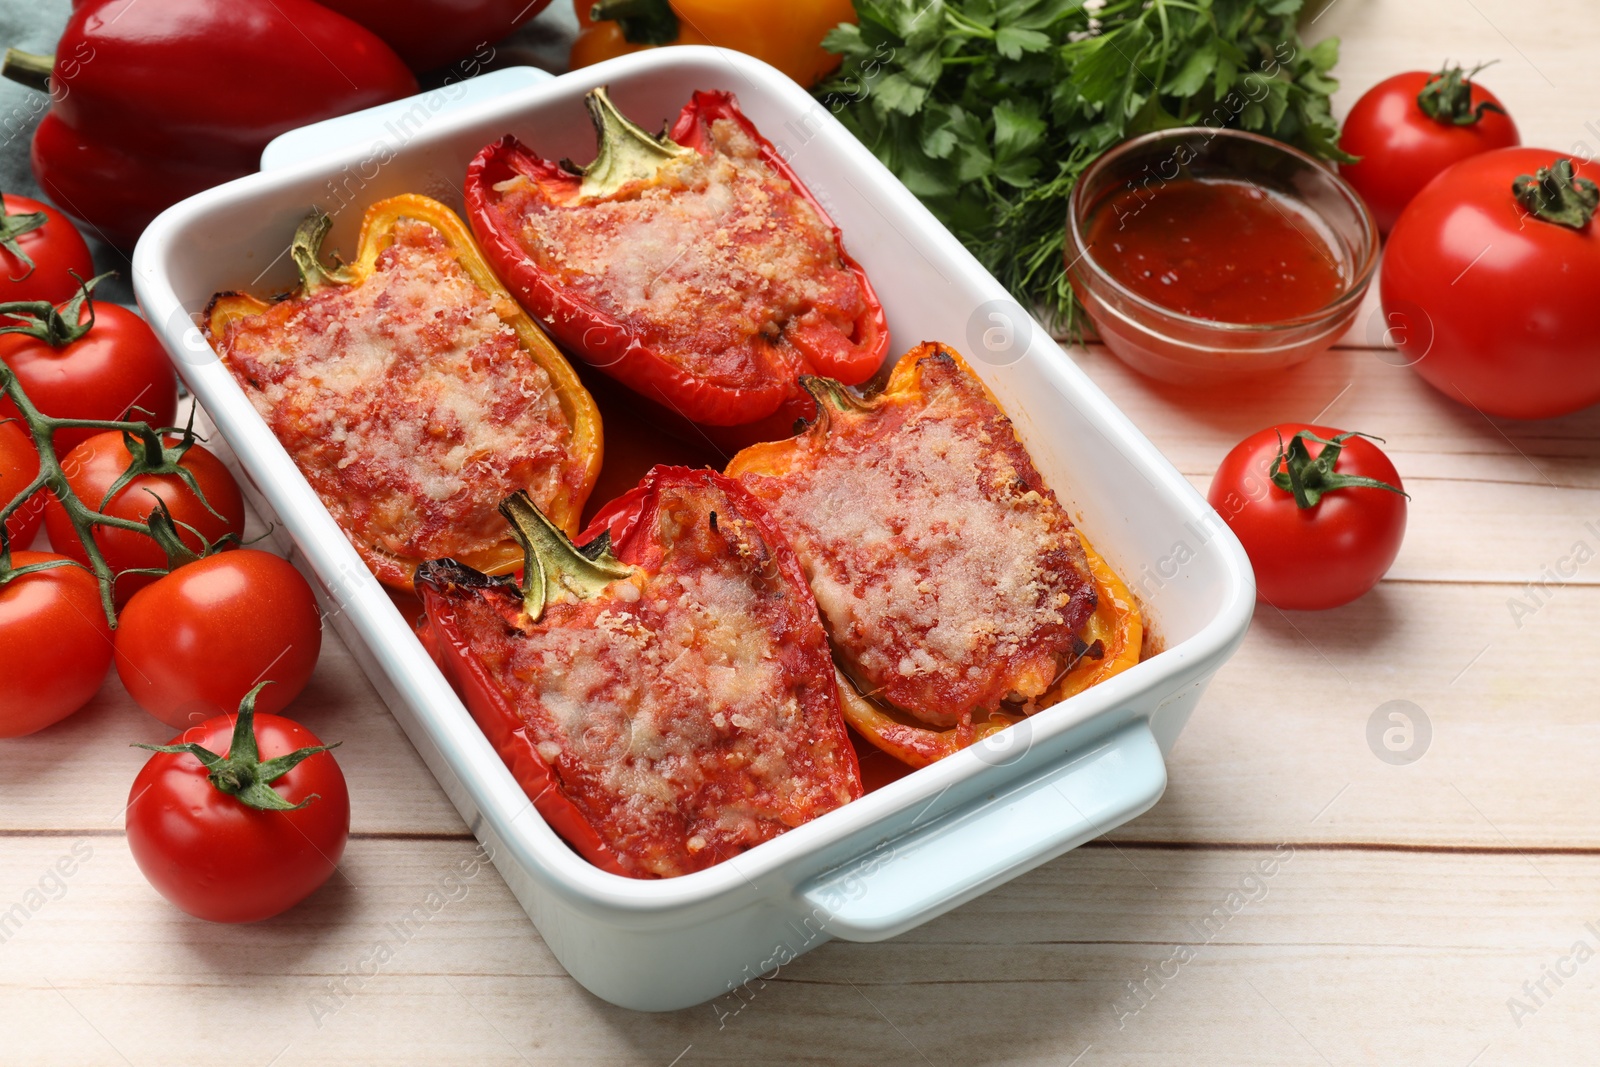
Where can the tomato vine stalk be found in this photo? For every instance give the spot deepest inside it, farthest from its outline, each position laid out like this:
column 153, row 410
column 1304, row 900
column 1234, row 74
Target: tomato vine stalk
column 151, row 452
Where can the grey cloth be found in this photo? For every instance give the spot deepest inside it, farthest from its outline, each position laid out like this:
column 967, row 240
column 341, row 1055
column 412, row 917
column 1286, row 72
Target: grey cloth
column 36, row 25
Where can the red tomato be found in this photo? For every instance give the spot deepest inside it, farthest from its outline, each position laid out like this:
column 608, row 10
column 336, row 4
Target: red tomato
column 94, row 466
column 115, row 368
column 1317, row 557
column 55, row 248
column 55, row 644
column 19, row 465
column 1402, row 148
column 1492, row 305
column 219, row 859
column 190, row 646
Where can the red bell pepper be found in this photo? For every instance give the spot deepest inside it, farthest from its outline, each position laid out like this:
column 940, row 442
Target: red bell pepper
column 154, row 102
column 731, row 346
column 665, row 694
column 430, row 33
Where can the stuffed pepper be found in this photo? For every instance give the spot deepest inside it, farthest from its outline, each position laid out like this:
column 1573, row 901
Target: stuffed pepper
column 413, row 392
column 664, row 694
column 958, row 595
column 696, row 269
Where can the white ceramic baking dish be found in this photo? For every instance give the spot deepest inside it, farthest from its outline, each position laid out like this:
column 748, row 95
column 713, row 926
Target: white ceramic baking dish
column 899, row 856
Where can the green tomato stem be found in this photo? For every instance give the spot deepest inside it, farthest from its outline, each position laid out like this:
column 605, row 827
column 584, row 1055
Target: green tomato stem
column 242, row 774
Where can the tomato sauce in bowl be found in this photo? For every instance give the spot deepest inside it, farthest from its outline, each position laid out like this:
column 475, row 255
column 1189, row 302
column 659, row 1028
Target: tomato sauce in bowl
column 1218, row 248
column 1203, row 255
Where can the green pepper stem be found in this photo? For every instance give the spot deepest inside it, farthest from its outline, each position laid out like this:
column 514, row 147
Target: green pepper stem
column 555, row 569
column 28, row 68
column 626, row 152
column 242, row 774
column 306, row 251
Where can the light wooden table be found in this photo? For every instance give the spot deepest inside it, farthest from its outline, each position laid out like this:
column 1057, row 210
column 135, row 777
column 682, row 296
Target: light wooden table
column 1416, row 904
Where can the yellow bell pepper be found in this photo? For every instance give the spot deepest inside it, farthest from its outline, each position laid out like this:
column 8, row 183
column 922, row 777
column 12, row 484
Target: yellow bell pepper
column 787, row 35
column 575, row 470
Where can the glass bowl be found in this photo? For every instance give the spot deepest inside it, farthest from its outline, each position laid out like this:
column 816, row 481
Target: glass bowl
column 1176, row 347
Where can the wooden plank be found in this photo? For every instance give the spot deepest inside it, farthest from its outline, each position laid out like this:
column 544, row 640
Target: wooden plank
column 1314, row 961
column 1281, row 732
column 1492, row 500
column 76, row 775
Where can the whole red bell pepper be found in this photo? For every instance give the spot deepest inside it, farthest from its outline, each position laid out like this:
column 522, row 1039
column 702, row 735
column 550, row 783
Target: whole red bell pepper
column 430, row 33
column 741, row 327
column 664, row 694
column 154, row 102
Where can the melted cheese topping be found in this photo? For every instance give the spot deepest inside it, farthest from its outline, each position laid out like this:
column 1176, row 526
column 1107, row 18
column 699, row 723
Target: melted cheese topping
column 406, row 401
column 716, row 254
column 950, row 578
column 675, row 709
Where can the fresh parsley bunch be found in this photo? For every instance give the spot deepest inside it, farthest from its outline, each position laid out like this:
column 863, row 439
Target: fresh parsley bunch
column 990, row 109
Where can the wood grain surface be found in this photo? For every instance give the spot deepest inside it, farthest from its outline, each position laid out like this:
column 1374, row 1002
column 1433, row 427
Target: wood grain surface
column 1292, row 900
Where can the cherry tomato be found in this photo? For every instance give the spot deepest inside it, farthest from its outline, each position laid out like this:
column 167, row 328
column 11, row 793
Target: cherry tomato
column 19, row 465
column 55, row 644
column 1403, row 148
column 116, row 370
column 1493, row 305
column 94, row 466
column 216, row 857
column 1316, row 557
column 190, row 646
column 54, row 248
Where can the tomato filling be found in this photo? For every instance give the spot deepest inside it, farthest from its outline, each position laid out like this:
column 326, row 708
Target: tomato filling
column 687, row 711
column 406, row 401
column 717, row 263
column 950, row 578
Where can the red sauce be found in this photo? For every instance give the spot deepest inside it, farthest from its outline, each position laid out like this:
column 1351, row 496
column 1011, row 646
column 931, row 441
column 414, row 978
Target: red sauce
column 1217, row 249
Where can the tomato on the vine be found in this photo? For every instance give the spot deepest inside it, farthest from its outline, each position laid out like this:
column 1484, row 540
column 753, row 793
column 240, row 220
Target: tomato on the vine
column 39, row 252
column 19, row 466
column 190, row 646
column 55, row 643
column 1321, row 513
column 115, row 369
column 239, row 818
column 94, row 468
column 1489, row 284
column 1410, row 128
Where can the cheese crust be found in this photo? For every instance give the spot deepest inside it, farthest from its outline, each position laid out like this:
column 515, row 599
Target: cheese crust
column 951, row 579
column 687, row 712
column 407, row 401
column 712, row 263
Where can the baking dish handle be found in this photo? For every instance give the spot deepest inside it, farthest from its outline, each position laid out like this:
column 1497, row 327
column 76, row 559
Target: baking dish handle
column 931, row 869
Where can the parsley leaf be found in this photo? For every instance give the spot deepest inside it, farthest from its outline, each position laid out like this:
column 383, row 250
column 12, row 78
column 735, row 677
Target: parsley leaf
column 990, row 109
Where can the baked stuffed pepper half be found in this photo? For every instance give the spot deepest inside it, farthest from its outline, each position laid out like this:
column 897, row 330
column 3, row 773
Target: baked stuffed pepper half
column 958, row 595
column 664, row 694
column 694, row 268
column 413, row 392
